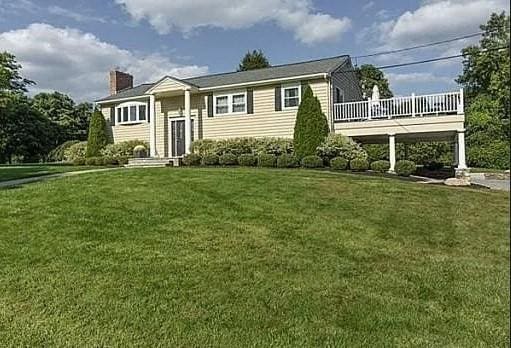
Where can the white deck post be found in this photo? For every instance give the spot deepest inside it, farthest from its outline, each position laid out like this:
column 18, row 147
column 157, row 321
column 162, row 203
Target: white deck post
column 413, row 105
column 461, row 104
column 152, row 126
column 392, row 152
column 461, row 150
column 188, row 122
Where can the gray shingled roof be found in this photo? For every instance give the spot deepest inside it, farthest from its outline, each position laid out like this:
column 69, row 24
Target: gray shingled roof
column 319, row 66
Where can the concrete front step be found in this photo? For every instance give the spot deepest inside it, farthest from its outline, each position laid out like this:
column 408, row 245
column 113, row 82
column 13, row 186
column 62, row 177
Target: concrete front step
column 153, row 162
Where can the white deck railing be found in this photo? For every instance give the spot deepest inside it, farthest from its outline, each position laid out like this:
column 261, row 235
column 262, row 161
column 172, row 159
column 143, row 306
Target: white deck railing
column 412, row 106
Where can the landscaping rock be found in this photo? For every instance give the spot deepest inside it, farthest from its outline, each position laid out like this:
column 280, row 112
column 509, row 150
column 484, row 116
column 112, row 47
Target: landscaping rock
column 457, row 182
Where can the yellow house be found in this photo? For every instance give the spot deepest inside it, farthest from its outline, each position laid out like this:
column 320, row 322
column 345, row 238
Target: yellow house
column 172, row 112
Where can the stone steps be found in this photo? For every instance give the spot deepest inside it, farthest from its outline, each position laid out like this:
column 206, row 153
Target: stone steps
column 152, row 162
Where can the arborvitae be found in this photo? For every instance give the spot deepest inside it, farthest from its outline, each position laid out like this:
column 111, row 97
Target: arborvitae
column 97, row 139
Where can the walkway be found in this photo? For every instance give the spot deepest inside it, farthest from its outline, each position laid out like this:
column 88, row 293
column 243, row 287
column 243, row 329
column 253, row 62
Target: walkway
column 18, row 182
column 494, row 184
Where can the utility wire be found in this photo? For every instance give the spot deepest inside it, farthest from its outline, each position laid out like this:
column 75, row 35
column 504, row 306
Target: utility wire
column 419, row 46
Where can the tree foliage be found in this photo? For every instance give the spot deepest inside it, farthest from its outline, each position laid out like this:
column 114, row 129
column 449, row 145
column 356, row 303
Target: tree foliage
column 98, row 138
column 368, row 76
column 254, row 60
column 486, row 81
column 10, row 77
column 311, row 127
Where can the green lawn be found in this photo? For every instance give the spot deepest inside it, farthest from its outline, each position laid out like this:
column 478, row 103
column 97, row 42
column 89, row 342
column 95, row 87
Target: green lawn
column 27, row 171
column 252, row 257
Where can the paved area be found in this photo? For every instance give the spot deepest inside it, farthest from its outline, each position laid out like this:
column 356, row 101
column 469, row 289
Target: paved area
column 18, row 182
column 479, row 179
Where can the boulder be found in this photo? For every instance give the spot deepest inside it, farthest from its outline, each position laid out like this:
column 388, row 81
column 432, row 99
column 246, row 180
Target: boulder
column 457, row 182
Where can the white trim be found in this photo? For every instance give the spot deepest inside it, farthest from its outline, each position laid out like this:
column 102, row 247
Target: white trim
column 152, row 126
column 283, row 95
column 110, row 101
column 263, row 82
column 229, row 96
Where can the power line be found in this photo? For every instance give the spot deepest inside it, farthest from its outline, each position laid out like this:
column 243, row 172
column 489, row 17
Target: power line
column 436, row 59
column 436, row 43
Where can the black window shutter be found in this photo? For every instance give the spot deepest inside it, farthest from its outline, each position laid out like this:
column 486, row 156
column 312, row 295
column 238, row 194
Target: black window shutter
column 148, row 112
column 304, row 86
column 210, row 105
column 278, row 98
column 112, row 116
column 250, row 101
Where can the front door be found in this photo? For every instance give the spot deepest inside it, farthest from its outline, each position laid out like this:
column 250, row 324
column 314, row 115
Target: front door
column 178, row 137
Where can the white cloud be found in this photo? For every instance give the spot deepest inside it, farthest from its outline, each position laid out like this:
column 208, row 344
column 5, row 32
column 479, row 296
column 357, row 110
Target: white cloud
column 298, row 16
column 435, row 20
column 79, row 17
column 417, row 77
column 368, row 6
column 77, row 63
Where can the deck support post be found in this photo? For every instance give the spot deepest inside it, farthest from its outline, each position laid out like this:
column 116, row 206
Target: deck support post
column 152, row 127
column 188, row 122
column 462, row 165
column 392, row 152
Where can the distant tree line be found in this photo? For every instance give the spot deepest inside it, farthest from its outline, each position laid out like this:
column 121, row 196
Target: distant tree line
column 30, row 127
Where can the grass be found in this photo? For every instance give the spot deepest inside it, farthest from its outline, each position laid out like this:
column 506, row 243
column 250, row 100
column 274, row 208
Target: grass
column 252, row 257
column 13, row 172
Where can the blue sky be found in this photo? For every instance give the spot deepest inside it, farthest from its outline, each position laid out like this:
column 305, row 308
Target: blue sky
column 70, row 46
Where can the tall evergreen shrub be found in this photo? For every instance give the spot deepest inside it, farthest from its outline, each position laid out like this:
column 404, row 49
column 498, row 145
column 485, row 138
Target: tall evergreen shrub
column 97, row 135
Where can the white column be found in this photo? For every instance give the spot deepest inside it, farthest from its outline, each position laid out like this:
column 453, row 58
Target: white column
column 188, row 121
column 152, row 126
column 392, row 152
column 461, row 150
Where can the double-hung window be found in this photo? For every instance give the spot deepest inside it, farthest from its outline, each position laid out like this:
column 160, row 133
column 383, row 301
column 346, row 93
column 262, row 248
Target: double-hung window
column 235, row 103
column 291, row 96
column 131, row 112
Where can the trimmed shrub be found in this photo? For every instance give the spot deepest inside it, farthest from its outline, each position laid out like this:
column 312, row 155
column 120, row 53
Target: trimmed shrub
column 337, row 145
column 123, row 149
column 380, row 166
column 244, row 145
column 405, row 168
column 76, row 151
column 434, row 165
column 209, row 160
column 287, row 161
column 58, row 154
column 266, row 160
column 192, row 159
column 122, row 160
column 311, row 127
column 97, row 139
column 359, row 164
column 94, row 161
column 247, row 160
column 79, row 162
column 312, row 162
column 110, row 161
column 228, row 159
column 140, row 151
column 339, row 163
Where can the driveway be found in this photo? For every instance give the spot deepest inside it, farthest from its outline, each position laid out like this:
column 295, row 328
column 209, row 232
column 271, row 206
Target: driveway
column 494, row 184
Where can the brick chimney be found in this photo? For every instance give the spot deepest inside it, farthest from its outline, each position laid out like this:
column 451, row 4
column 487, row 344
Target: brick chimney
column 119, row 81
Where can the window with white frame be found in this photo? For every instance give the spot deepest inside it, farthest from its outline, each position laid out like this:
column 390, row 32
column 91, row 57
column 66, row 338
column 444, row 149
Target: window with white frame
column 234, row 103
column 339, row 95
column 131, row 112
column 291, row 96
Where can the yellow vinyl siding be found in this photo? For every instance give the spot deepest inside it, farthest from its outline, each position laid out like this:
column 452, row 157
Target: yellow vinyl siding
column 167, row 85
column 265, row 121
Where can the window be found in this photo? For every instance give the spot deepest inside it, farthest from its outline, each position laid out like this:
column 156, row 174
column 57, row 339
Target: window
column 291, row 96
column 222, row 105
column 235, row 103
column 141, row 113
column 238, row 103
column 131, row 112
column 339, row 95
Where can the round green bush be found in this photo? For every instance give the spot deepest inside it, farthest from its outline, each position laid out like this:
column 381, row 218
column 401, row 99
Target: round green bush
column 312, row 162
column 287, row 161
column 266, row 160
column 79, row 162
column 228, row 159
column 140, row 151
column 76, row 151
column 359, row 164
column 380, row 166
column 94, row 161
column 405, row 168
column 339, row 163
column 58, row 154
column 122, row 160
column 209, row 160
column 247, row 160
column 192, row 159
column 110, row 161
